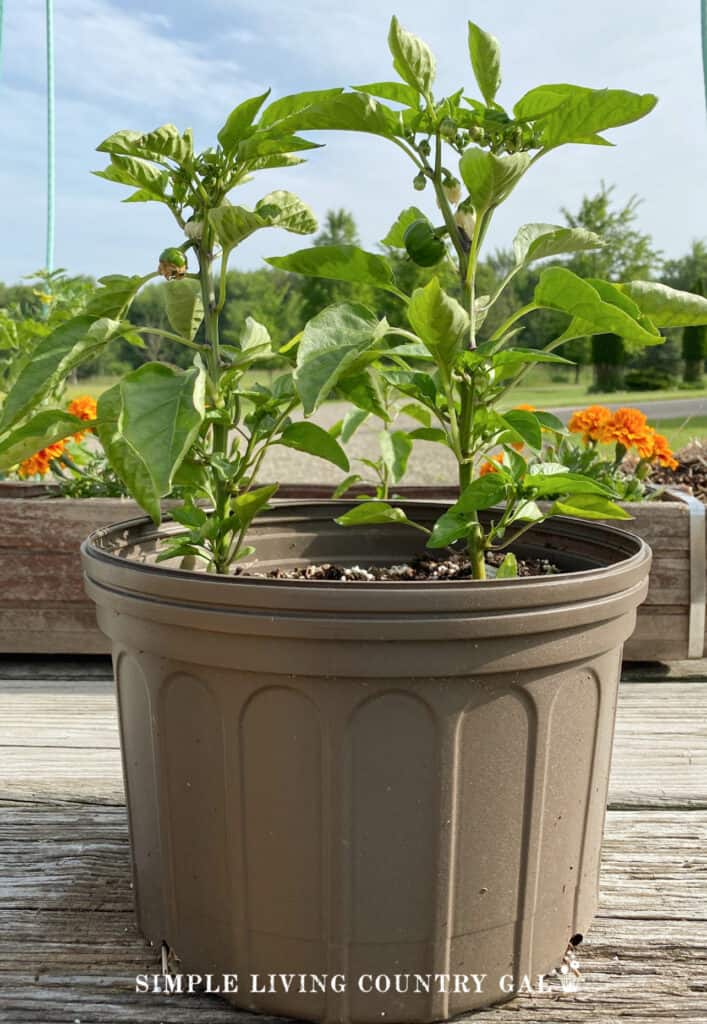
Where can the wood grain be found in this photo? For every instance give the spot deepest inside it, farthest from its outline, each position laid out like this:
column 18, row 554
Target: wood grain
column 69, row 945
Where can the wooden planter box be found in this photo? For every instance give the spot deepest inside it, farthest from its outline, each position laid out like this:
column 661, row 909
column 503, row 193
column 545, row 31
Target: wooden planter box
column 43, row 607
column 671, row 621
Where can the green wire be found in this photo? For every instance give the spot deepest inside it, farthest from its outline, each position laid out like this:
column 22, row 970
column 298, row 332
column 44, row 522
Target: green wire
column 704, row 44
column 50, row 136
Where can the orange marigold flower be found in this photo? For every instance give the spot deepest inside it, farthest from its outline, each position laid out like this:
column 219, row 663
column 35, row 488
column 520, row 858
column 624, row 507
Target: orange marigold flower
column 628, row 427
column 40, row 463
column 488, row 466
column 84, row 408
column 524, row 407
column 590, row 422
column 661, row 451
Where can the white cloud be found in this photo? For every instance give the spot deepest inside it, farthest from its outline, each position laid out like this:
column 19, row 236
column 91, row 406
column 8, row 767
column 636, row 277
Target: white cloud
column 120, row 67
column 104, row 53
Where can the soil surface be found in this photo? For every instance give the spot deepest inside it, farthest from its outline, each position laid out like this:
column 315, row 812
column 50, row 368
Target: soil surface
column 691, row 474
column 423, row 568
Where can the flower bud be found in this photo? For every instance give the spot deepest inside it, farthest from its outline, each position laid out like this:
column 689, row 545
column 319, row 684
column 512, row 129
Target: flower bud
column 448, row 128
column 424, row 148
column 194, row 229
column 477, row 134
column 465, row 218
column 452, row 189
column 419, row 182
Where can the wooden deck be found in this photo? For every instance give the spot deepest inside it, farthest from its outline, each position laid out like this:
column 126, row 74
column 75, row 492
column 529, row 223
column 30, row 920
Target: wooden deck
column 70, row 950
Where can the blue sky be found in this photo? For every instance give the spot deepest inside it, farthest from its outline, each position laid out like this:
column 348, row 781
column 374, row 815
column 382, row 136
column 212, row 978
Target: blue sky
column 120, row 66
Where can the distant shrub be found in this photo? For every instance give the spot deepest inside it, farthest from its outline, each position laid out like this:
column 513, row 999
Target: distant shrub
column 648, row 380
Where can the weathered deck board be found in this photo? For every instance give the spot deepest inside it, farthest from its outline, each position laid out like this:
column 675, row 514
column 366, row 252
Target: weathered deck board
column 70, row 949
column 69, row 944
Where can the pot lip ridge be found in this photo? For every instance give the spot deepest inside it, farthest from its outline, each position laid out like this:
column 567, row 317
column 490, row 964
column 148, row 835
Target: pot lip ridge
column 95, row 552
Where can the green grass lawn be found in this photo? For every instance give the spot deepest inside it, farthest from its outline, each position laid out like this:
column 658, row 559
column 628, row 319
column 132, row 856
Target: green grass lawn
column 93, row 386
column 683, row 429
column 540, row 390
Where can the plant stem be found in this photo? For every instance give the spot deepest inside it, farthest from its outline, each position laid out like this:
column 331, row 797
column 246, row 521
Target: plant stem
column 476, row 552
column 219, row 443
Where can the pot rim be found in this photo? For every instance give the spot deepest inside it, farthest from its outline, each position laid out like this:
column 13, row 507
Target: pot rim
column 102, row 545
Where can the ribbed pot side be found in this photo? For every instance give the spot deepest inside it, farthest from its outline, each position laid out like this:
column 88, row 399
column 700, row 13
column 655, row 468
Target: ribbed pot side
column 366, row 779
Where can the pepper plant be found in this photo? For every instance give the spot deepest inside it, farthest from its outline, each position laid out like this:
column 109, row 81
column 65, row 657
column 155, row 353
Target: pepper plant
column 206, row 429
column 471, row 153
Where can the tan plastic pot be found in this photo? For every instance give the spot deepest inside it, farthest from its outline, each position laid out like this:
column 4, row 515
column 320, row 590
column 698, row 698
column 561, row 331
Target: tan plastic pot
column 366, row 779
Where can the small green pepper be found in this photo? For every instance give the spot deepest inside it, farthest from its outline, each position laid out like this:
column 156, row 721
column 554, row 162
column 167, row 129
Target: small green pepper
column 423, row 244
column 172, row 263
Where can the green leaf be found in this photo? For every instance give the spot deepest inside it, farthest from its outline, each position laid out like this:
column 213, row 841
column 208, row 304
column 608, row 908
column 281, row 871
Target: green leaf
column 486, row 61
column 338, row 263
column 70, row 344
column 412, row 59
column 346, row 485
column 45, row 428
column 542, row 100
column 255, row 336
column 526, row 425
column 350, row 111
column 351, row 422
column 308, row 437
column 417, row 412
column 482, row 493
column 528, row 512
column 509, row 361
column 489, row 178
column 185, row 310
column 395, row 450
column 331, row 343
column 550, row 422
column 451, row 526
column 395, row 91
column 165, row 143
column 439, row 320
column 189, row 515
column 396, row 235
column 589, row 506
column 122, row 456
column 562, row 483
column 363, row 389
column 263, row 145
column 588, row 111
column 126, row 170
column 154, row 420
column 538, row 241
column 246, row 506
column 434, row 434
column 420, row 386
column 508, row 569
column 239, row 122
column 455, row 523
column 233, row 224
column 666, row 307
column 559, row 288
column 115, row 293
column 370, row 513
column 282, row 209
column 288, row 106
